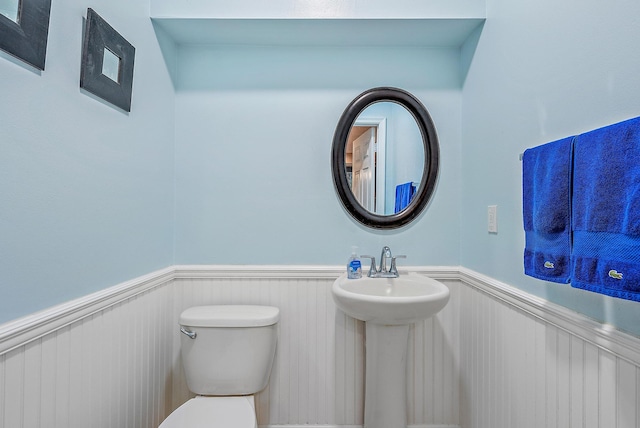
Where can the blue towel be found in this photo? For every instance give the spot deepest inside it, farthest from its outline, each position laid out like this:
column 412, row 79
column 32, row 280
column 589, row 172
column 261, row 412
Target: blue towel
column 546, row 209
column 404, row 195
column 606, row 210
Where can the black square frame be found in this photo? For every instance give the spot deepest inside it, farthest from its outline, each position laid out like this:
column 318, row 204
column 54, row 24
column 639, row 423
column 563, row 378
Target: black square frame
column 98, row 36
column 27, row 38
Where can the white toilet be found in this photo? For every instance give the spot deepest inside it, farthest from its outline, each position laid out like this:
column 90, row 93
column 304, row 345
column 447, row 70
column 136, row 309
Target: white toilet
column 227, row 353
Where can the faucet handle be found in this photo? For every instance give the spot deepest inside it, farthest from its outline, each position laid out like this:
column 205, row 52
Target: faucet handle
column 394, row 269
column 372, row 269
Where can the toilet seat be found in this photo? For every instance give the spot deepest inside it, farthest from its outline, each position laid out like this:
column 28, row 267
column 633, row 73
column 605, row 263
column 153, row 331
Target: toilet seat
column 213, row 412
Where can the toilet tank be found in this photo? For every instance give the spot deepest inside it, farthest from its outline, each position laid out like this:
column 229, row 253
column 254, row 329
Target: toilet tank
column 233, row 349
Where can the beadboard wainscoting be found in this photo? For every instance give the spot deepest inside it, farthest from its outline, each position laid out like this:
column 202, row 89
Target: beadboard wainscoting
column 100, row 361
column 495, row 357
column 527, row 363
column 318, row 373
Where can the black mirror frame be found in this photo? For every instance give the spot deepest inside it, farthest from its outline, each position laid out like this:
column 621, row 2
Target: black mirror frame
column 431, row 152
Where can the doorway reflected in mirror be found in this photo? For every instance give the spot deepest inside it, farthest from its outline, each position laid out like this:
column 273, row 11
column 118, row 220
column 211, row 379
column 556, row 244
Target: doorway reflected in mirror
column 385, row 156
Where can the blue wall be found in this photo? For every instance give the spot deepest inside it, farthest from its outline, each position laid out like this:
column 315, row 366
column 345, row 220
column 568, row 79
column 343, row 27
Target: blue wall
column 86, row 190
column 542, row 71
column 89, row 192
column 254, row 128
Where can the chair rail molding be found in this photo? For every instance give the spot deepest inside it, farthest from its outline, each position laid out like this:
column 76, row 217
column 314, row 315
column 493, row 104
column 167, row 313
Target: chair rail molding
column 24, row 330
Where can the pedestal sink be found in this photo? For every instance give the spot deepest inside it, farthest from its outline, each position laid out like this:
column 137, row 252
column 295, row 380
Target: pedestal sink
column 388, row 306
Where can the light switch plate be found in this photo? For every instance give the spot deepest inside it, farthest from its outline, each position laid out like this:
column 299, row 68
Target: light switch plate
column 492, row 214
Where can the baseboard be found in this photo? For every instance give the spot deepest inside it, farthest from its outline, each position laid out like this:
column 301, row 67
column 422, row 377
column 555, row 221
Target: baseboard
column 310, row 426
column 351, row 426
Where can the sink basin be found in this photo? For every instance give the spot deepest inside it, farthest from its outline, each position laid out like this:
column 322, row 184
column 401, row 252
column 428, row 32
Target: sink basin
column 390, row 301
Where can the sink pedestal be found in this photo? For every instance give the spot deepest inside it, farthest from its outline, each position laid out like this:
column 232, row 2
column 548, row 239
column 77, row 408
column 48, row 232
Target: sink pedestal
column 385, row 396
column 388, row 306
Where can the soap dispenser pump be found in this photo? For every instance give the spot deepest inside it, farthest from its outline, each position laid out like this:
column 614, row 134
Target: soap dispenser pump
column 354, row 267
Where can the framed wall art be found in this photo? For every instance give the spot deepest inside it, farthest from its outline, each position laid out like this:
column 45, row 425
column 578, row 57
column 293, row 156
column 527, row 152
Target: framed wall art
column 107, row 62
column 24, row 27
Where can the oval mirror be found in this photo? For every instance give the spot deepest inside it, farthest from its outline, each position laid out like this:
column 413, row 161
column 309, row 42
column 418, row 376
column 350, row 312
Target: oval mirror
column 385, row 158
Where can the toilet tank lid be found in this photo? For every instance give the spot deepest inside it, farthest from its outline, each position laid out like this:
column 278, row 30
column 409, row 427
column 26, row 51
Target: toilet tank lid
column 230, row 316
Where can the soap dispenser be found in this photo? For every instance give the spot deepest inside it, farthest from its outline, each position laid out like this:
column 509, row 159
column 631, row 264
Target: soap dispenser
column 354, row 267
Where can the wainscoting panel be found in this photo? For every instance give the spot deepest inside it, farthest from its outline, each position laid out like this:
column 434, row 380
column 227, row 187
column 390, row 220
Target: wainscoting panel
column 433, row 366
column 495, row 357
column 528, row 364
column 318, row 374
column 106, row 365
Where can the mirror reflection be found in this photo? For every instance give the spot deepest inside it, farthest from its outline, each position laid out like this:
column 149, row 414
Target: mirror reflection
column 10, row 8
column 384, row 158
column 111, row 65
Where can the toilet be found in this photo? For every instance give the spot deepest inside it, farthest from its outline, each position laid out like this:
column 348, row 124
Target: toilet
column 227, row 353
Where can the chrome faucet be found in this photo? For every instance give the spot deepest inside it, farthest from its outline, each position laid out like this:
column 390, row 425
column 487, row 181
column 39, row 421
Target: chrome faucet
column 383, row 271
column 384, row 255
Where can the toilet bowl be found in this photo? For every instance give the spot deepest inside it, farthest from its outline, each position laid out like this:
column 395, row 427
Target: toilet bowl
column 227, row 353
column 214, row 412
